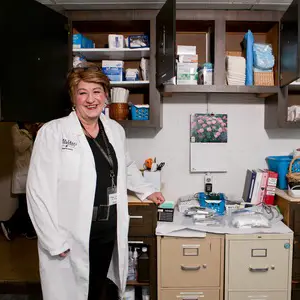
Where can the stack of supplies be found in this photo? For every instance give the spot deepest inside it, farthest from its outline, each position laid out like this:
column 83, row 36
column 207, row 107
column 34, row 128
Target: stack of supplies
column 187, row 65
column 113, row 69
column 236, row 70
column 119, row 95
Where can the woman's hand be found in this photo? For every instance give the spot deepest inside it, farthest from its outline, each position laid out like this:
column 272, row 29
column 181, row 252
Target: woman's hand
column 64, row 254
column 156, row 198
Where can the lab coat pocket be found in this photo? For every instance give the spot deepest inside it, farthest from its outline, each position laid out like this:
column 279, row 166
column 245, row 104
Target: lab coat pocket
column 70, row 161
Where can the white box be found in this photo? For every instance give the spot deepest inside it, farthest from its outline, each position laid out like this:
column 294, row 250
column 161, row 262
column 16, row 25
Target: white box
column 186, row 50
column 154, row 178
column 188, row 58
column 115, row 41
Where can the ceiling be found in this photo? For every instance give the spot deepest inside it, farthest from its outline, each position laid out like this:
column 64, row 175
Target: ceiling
column 157, row 4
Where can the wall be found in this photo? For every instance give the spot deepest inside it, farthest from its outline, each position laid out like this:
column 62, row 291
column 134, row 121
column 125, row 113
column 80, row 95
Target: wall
column 248, row 142
column 7, row 203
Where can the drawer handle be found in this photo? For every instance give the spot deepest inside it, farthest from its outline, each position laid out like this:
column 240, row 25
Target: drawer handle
column 258, row 269
column 136, row 217
column 185, row 268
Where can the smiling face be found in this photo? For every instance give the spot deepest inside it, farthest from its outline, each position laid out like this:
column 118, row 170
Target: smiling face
column 89, row 100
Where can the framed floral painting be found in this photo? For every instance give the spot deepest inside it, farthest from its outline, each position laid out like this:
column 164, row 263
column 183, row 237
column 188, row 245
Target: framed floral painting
column 209, row 128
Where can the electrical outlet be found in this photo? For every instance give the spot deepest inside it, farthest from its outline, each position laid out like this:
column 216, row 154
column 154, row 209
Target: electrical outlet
column 208, row 183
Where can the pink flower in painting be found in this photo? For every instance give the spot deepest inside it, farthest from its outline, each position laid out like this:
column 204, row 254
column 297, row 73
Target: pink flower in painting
column 208, row 122
column 224, row 129
column 217, row 134
column 201, row 130
column 224, row 118
column 223, row 124
column 193, row 124
column 220, row 130
column 219, row 120
column 214, row 127
column 214, row 122
column 200, row 121
column 208, row 129
column 204, row 125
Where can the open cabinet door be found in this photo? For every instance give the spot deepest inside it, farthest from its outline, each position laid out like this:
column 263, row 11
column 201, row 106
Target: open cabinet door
column 289, row 44
column 35, row 62
column 165, row 42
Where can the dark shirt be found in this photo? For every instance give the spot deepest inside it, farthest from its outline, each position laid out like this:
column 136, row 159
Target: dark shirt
column 103, row 230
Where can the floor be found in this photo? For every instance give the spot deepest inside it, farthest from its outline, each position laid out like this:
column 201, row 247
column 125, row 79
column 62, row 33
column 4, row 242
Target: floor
column 19, row 266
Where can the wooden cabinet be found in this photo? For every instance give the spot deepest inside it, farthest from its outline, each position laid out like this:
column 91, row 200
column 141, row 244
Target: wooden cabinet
column 39, row 54
column 220, row 32
column 291, row 213
column 190, row 268
column 143, row 220
column 35, row 61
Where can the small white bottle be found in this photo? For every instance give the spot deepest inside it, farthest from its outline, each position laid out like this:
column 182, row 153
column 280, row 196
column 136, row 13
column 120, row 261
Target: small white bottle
column 135, row 260
column 131, row 271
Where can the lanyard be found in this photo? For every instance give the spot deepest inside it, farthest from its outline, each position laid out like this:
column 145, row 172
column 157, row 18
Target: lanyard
column 107, row 155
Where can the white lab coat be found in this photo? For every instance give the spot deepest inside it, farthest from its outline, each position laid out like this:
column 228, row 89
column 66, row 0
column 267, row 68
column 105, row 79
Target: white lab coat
column 60, row 191
column 22, row 144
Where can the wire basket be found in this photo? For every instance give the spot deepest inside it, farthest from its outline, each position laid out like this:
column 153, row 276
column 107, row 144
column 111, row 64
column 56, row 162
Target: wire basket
column 264, row 78
column 293, row 175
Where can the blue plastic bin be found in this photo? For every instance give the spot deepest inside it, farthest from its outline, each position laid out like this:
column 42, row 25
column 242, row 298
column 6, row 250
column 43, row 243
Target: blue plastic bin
column 217, row 205
column 139, row 113
column 280, row 165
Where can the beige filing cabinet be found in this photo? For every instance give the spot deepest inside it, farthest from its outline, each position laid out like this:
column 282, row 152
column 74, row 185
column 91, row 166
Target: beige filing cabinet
column 190, row 268
column 258, row 266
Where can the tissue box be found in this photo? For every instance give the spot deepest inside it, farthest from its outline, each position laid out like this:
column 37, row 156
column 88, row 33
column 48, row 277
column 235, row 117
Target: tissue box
column 80, row 41
column 113, row 69
column 186, row 50
column 165, row 212
column 154, row 178
column 187, row 73
column 115, row 41
column 188, row 58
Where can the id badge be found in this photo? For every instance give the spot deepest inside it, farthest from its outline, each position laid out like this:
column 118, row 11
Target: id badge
column 112, row 195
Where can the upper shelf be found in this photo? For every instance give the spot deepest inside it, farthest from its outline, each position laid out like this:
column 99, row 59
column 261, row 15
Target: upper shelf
column 130, row 84
column 230, row 89
column 114, row 54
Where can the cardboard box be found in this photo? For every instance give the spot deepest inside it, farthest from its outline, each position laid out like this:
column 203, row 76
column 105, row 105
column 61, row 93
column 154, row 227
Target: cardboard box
column 113, row 69
column 186, row 50
column 187, row 73
column 80, row 41
column 188, row 58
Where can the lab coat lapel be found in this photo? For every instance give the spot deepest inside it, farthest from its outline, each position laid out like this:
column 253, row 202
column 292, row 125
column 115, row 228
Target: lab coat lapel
column 78, row 131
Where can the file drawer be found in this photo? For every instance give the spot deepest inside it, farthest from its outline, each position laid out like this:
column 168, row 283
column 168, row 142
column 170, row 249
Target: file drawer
column 258, row 295
column 258, row 264
column 190, row 294
column 190, row 262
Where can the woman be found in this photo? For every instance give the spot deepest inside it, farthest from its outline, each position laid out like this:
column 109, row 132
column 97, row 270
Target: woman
column 77, row 194
column 23, row 135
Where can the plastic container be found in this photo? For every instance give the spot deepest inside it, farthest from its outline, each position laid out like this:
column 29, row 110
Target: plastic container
column 280, row 165
column 213, row 201
column 143, row 266
column 140, row 112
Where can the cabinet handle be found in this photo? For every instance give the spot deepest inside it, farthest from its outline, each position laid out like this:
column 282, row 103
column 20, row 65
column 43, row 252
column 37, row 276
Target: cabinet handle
column 136, row 217
column 258, row 269
column 185, row 268
column 164, row 41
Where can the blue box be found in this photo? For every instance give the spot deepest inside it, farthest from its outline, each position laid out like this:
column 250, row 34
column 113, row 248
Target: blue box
column 80, row 41
column 113, row 73
column 113, row 69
